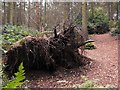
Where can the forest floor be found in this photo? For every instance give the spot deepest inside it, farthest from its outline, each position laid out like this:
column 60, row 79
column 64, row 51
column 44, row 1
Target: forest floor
column 103, row 68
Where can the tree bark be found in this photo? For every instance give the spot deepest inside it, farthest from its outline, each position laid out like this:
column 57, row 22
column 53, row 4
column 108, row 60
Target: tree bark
column 37, row 16
column 4, row 21
column 24, row 20
column 20, row 13
column 10, row 13
column 84, row 21
column 44, row 21
column 15, row 14
column 67, row 11
column 29, row 14
column 117, row 10
column 109, row 10
column 92, row 8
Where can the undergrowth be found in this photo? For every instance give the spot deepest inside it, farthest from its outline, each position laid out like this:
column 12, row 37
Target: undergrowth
column 91, row 85
column 115, row 27
column 11, row 34
column 18, row 80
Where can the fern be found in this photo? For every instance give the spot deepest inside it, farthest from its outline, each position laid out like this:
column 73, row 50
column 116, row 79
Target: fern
column 19, row 77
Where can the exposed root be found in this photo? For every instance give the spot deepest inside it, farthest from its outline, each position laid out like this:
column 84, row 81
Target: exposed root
column 46, row 54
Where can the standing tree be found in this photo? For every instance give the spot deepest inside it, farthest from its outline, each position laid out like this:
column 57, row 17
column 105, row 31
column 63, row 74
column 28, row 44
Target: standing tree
column 45, row 7
column 37, row 16
column 84, row 20
column 29, row 14
column 92, row 8
column 109, row 10
column 117, row 10
column 4, row 7
column 15, row 13
column 67, row 10
column 10, row 13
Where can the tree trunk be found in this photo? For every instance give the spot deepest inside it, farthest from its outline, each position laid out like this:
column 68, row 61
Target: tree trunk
column 92, row 8
column 15, row 14
column 20, row 13
column 10, row 13
column 37, row 16
column 4, row 19
column 29, row 14
column 109, row 10
column 24, row 13
column 117, row 10
column 84, row 21
column 44, row 26
column 67, row 11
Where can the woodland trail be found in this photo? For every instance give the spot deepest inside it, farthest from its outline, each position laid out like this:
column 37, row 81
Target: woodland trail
column 103, row 69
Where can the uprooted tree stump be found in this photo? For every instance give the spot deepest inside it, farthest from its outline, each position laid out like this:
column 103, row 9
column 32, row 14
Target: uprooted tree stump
column 46, row 54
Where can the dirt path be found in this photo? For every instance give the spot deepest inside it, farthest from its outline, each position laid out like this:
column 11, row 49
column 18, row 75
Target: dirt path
column 103, row 70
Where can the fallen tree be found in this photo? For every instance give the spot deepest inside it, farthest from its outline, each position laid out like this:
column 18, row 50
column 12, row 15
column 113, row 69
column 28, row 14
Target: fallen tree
column 46, row 54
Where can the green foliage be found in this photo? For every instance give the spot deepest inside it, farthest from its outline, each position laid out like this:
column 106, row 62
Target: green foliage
column 90, row 46
column 19, row 78
column 86, row 85
column 11, row 34
column 115, row 30
column 90, row 85
column 98, row 22
column 113, row 24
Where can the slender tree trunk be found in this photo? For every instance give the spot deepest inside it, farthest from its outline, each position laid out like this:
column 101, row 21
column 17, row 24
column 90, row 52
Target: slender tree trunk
column 24, row 13
column 84, row 21
column 92, row 8
column 45, row 8
column 8, row 13
column 11, row 13
column 117, row 10
column 67, row 11
column 109, row 10
column 40, row 14
column 15, row 14
column 4, row 21
column 29, row 14
column 20, row 13
column 70, row 11
column 37, row 16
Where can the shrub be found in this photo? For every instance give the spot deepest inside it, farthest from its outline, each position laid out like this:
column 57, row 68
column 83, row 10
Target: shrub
column 11, row 34
column 90, row 46
column 116, row 29
column 98, row 23
column 113, row 24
